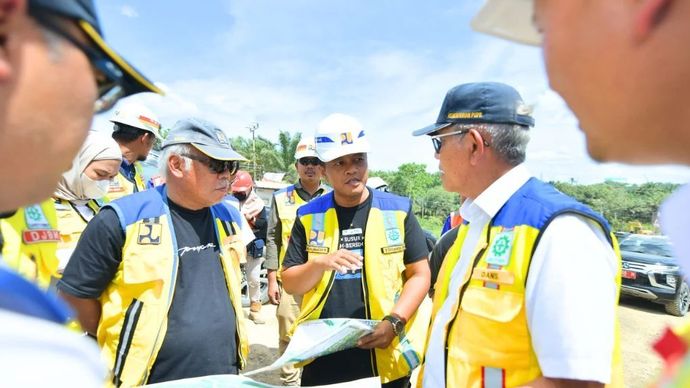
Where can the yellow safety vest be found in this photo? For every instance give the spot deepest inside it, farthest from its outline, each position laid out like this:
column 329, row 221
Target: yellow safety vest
column 384, row 247
column 71, row 223
column 31, row 237
column 287, row 201
column 488, row 343
column 135, row 305
column 121, row 186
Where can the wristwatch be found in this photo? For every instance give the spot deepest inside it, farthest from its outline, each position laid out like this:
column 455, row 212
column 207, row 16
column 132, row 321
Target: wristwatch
column 398, row 324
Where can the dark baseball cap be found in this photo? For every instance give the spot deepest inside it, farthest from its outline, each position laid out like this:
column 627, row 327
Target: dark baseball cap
column 481, row 103
column 204, row 136
column 83, row 13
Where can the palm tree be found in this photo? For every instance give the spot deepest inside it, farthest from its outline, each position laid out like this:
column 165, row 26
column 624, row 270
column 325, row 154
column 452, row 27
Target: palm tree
column 270, row 157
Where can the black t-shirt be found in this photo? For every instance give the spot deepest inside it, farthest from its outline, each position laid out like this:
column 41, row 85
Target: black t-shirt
column 201, row 337
column 346, row 298
column 439, row 253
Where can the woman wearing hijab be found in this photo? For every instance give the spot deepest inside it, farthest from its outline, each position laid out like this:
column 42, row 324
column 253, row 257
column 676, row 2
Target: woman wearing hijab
column 81, row 187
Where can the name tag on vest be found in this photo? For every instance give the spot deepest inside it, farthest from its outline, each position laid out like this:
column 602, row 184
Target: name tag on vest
column 36, row 236
column 393, row 249
column 317, row 249
column 493, row 275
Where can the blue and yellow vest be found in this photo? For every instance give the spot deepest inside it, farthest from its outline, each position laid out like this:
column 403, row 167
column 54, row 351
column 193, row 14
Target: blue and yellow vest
column 135, row 305
column 121, row 186
column 384, row 247
column 488, row 338
column 31, row 239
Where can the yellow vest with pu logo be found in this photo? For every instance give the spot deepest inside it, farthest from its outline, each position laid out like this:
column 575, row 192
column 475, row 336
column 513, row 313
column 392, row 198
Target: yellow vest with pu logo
column 31, row 238
column 488, row 340
column 121, row 186
column 384, row 246
column 135, row 305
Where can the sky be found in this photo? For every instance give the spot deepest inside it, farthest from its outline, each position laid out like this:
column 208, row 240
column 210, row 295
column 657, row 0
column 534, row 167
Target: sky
column 286, row 65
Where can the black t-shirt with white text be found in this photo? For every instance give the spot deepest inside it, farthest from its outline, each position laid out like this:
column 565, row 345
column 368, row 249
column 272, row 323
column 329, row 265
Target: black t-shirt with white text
column 201, row 336
column 346, row 297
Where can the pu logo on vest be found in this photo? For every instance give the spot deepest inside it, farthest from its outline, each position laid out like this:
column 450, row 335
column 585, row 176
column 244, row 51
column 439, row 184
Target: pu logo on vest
column 149, row 234
column 346, row 138
column 316, row 242
column 290, row 198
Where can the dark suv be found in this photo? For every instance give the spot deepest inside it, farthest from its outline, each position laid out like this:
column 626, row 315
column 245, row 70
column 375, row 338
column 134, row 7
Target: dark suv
column 650, row 272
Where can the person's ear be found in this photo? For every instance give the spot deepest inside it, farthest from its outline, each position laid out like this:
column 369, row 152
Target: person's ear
column 478, row 145
column 177, row 166
column 648, row 15
column 11, row 11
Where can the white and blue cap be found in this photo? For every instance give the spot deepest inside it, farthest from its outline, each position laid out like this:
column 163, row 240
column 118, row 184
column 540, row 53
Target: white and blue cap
column 339, row 135
column 481, row 103
column 508, row 19
column 204, row 136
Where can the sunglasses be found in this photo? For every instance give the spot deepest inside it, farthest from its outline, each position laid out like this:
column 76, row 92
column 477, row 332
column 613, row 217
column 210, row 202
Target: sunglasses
column 437, row 142
column 310, row 161
column 216, row 166
column 108, row 76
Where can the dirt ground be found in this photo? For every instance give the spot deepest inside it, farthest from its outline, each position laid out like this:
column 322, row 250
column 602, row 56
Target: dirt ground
column 641, row 323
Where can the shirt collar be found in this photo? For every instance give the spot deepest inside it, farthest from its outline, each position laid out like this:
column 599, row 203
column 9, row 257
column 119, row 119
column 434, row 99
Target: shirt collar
column 492, row 199
column 299, row 186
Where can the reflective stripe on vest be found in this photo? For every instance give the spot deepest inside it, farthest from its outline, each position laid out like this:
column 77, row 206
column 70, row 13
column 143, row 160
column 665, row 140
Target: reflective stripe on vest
column 382, row 273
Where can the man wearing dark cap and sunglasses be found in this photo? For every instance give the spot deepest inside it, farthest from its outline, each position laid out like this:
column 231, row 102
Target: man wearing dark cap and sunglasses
column 284, row 206
column 156, row 273
column 55, row 72
column 509, row 307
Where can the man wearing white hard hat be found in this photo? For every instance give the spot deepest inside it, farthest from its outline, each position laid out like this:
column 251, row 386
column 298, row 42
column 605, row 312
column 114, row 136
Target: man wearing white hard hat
column 359, row 253
column 135, row 129
column 284, row 206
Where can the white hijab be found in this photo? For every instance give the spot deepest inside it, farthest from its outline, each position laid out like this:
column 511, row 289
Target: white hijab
column 98, row 146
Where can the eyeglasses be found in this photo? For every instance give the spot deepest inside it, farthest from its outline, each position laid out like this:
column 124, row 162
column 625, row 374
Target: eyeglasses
column 437, row 142
column 108, row 76
column 216, row 166
column 310, row 161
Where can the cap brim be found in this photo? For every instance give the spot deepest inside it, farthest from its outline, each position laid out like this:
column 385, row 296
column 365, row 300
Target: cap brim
column 219, row 153
column 134, row 82
column 430, row 129
column 508, row 19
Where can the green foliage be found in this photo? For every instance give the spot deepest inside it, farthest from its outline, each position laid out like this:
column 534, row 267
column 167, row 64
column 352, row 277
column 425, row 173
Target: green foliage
column 622, row 204
column 270, row 157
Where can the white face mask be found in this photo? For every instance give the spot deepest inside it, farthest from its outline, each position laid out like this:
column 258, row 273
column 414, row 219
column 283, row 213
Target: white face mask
column 94, row 189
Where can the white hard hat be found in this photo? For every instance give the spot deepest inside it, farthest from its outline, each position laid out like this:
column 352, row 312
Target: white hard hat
column 508, row 19
column 305, row 148
column 138, row 116
column 338, row 135
column 377, row 183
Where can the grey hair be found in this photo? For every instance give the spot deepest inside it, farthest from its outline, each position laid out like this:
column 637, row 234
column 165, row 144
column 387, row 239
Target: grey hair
column 509, row 141
column 167, row 152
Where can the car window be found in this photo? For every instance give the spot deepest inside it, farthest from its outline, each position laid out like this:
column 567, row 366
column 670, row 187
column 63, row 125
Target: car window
column 658, row 246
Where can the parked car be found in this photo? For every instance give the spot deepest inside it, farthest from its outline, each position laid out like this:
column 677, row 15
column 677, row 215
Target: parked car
column 651, row 272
